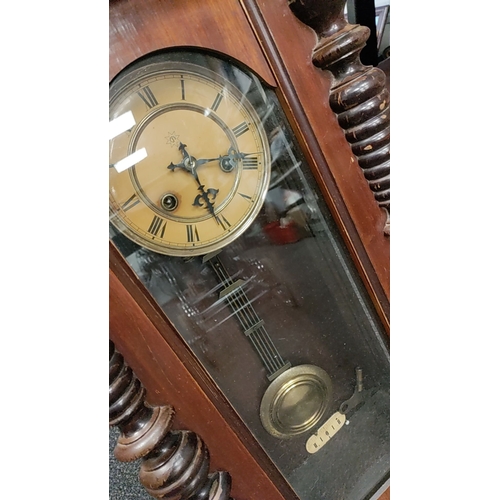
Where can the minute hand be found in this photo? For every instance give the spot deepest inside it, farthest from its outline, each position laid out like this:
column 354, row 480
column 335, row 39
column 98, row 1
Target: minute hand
column 205, row 196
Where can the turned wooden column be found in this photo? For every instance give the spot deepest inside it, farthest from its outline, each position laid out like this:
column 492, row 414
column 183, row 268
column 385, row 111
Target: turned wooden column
column 175, row 464
column 358, row 93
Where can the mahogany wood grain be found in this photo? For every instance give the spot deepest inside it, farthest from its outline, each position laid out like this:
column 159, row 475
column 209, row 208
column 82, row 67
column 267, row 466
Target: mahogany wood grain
column 386, row 495
column 295, row 43
column 138, row 27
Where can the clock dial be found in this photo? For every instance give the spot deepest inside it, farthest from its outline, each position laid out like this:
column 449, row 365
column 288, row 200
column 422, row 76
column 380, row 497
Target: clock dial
column 205, row 161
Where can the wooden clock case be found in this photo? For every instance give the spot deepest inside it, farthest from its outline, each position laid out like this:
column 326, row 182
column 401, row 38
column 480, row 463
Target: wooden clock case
column 268, row 38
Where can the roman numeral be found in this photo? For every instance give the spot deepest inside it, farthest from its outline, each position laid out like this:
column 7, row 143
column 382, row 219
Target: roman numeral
column 240, row 129
column 148, row 97
column 249, row 198
column 250, row 163
column 131, row 202
column 192, row 233
column 157, row 226
column 216, row 103
column 223, row 222
column 183, row 90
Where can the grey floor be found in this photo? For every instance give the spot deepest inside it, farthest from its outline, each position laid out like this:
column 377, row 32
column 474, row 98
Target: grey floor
column 124, row 481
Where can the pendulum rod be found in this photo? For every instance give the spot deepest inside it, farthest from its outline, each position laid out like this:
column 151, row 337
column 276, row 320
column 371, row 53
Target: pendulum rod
column 249, row 320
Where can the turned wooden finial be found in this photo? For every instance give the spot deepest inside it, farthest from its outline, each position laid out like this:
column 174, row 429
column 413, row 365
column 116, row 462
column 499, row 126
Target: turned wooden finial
column 358, row 94
column 175, row 464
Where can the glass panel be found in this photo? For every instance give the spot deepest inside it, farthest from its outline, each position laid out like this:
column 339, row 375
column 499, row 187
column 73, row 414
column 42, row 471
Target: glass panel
column 281, row 321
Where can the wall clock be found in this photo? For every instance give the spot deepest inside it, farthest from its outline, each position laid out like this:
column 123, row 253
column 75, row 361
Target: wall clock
column 219, row 221
column 208, row 160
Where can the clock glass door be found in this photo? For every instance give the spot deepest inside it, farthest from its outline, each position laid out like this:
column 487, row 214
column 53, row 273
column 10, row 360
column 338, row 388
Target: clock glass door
column 220, row 217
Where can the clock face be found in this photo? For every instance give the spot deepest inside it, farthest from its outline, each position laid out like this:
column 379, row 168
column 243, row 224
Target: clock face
column 191, row 171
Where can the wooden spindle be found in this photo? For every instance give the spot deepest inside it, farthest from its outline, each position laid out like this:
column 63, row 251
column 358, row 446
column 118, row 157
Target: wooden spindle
column 358, row 94
column 175, row 464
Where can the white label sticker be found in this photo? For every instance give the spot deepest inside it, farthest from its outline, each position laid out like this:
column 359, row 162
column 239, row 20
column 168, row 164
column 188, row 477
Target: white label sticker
column 325, row 432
